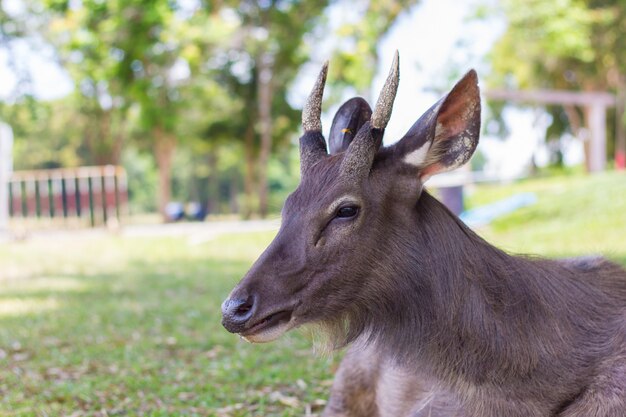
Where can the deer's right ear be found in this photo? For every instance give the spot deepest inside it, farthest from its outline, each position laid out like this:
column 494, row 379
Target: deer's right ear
column 446, row 136
column 347, row 121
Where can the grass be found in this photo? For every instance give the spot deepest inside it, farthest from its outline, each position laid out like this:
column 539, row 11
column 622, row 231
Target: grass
column 112, row 326
column 573, row 216
column 131, row 327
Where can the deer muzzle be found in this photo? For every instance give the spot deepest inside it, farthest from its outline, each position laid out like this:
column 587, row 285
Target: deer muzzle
column 241, row 316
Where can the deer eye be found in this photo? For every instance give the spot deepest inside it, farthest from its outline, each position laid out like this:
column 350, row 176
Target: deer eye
column 347, row 212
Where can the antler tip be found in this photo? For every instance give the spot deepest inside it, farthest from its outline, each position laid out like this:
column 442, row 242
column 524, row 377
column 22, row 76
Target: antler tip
column 384, row 105
column 312, row 110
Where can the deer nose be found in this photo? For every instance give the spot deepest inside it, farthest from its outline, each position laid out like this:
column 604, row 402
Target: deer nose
column 236, row 312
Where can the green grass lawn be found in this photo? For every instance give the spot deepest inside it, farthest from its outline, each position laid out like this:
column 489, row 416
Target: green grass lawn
column 132, row 327
column 573, row 216
column 113, row 326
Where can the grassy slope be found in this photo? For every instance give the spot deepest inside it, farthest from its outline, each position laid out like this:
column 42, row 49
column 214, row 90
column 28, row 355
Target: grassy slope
column 573, row 216
column 131, row 326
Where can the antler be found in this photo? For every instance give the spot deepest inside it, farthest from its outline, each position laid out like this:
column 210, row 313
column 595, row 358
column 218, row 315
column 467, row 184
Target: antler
column 384, row 105
column 361, row 152
column 312, row 110
column 312, row 143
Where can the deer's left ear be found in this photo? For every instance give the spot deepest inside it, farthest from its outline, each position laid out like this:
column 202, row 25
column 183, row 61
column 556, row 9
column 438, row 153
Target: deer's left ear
column 446, row 136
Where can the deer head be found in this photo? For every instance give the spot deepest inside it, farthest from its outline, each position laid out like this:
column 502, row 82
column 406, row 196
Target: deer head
column 347, row 226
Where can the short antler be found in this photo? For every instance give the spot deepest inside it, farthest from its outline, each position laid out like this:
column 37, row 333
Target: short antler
column 384, row 105
column 361, row 152
column 312, row 143
column 312, row 110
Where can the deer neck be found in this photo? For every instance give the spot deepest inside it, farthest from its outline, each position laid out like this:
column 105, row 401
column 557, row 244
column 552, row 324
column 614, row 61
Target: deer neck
column 458, row 305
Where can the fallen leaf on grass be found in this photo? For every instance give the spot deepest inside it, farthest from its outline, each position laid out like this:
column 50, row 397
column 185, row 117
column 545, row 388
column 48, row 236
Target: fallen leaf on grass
column 301, row 384
column 283, row 399
column 229, row 409
column 310, row 410
column 186, row 396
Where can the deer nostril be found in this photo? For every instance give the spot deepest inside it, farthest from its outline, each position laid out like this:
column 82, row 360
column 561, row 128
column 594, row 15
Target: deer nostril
column 238, row 311
column 245, row 307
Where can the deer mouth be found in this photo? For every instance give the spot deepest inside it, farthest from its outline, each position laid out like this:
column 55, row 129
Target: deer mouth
column 269, row 328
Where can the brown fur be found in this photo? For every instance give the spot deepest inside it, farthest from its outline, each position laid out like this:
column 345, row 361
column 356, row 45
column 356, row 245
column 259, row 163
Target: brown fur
column 500, row 333
column 441, row 322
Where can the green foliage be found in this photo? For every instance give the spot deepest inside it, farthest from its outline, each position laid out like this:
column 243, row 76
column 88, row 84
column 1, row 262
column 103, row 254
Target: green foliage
column 355, row 66
column 182, row 80
column 542, row 37
column 47, row 134
column 142, row 181
column 284, row 177
column 563, row 44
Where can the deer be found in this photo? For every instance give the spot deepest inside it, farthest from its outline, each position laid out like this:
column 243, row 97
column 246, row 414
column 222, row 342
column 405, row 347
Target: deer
column 437, row 321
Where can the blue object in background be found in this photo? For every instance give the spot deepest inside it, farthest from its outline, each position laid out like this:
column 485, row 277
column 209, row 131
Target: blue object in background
column 174, row 211
column 195, row 211
column 483, row 215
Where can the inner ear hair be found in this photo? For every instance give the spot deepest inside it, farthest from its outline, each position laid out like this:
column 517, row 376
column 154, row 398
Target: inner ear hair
column 428, row 154
column 431, row 151
column 448, row 132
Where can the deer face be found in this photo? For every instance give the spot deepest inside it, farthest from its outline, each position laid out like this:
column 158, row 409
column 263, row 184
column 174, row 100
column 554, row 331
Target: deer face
column 351, row 209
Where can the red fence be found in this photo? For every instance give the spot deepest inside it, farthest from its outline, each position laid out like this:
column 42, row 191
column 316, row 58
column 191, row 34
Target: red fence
column 95, row 194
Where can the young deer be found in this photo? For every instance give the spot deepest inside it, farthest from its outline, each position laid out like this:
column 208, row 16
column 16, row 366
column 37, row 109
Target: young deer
column 441, row 323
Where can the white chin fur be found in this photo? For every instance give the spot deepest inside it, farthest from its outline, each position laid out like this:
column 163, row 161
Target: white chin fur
column 268, row 335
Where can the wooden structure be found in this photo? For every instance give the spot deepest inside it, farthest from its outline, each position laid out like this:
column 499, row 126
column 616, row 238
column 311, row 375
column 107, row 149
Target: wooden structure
column 595, row 104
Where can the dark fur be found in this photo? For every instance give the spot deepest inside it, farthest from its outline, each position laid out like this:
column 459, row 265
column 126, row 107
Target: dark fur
column 442, row 322
column 531, row 337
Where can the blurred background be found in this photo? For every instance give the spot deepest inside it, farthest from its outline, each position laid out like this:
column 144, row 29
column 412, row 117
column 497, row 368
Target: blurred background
column 146, row 147
column 199, row 102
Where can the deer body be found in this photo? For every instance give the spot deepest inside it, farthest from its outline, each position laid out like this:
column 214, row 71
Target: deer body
column 513, row 336
column 370, row 258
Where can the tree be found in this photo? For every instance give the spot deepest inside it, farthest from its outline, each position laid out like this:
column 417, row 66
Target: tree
column 266, row 56
column 164, row 75
column 355, row 66
column 130, row 57
column 53, row 123
column 566, row 44
column 258, row 65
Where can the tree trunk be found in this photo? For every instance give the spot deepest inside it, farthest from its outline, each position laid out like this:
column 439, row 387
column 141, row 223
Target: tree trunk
column 234, row 192
column 580, row 129
column 164, row 148
column 264, row 84
column 249, row 173
column 109, row 137
column 574, row 119
column 102, row 145
column 118, row 140
column 213, row 198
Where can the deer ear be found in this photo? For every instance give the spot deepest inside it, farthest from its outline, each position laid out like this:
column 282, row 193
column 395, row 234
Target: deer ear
column 347, row 121
column 446, row 136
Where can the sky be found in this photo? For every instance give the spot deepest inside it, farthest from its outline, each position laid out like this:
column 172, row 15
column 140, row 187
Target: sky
column 438, row 42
